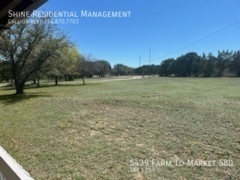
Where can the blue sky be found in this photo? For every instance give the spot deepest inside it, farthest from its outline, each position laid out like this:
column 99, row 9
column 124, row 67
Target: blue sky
column 167, row 26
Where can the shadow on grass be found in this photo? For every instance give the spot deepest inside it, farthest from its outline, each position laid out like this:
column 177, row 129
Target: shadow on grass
column 33, row 86
column 13, row 98
column 60, row 85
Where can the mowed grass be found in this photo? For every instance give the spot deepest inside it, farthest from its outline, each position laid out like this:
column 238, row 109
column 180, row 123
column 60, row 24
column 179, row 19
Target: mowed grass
column 97, row 131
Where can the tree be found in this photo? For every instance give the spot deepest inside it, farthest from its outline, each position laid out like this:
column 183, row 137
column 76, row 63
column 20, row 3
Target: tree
column 197, row 66
column 85, row 67
column 167, row 67
column 221, row 63
column 27, row 47
column 209, row 63
column 64, row 63
column 70, row 61
column 236, row 64
column 120, row 69
column 101, row 68
column 188, row 65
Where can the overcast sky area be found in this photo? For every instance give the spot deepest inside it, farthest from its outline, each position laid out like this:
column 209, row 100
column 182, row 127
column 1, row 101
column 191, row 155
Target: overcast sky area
column 170, row 27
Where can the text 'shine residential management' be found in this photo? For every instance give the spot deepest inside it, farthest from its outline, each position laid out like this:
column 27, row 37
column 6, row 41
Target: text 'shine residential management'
column 70, row 14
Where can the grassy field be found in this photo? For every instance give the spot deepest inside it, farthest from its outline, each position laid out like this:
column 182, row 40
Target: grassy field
column 105, row 129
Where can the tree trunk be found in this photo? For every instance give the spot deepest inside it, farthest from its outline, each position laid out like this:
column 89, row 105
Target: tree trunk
column 83, row 81
column 56, row 80
column 65, row 77
column 38, row 82
column 34, row 80
column 19, row 87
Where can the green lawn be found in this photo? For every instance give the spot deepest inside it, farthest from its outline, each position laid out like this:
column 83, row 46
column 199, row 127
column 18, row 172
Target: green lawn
column 99, row 130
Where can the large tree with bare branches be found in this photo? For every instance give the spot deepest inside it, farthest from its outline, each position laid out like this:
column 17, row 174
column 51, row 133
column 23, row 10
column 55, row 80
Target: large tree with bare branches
column 27, row 47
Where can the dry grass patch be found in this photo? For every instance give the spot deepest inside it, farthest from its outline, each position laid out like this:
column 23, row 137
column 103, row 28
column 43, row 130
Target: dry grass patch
column 93, row 132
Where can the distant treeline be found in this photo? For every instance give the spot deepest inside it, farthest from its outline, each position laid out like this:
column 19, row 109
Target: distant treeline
column 226, row 63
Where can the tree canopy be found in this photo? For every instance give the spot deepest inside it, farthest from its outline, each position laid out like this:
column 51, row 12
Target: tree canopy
column 26, row 47
column 226, row 63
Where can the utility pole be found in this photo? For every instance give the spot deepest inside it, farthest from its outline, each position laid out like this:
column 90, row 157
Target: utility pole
column 150, row 55
column 139, row 61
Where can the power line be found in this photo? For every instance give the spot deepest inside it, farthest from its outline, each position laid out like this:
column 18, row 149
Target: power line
column 194, row 19
column 195, row 42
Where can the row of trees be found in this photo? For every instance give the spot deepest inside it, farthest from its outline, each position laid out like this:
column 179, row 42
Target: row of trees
column 226, row 63
column 147, row 70
column 70, row 64
column 32, row 51
column 122, row 70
